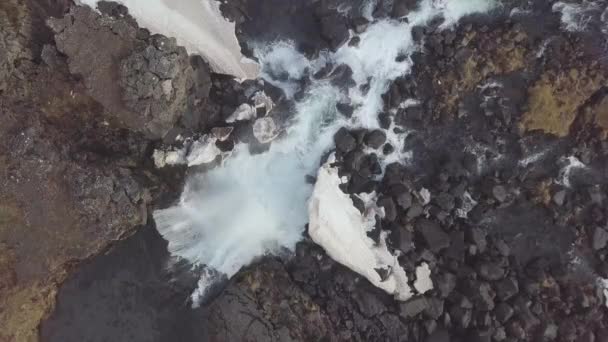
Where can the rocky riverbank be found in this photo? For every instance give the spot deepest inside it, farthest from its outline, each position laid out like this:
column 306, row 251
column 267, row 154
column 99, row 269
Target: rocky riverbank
column 504, row 194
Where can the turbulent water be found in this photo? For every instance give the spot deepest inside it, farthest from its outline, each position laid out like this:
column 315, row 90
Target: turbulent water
column 258, row 204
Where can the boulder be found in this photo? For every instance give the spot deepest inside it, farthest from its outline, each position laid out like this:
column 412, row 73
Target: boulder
column 436, row 239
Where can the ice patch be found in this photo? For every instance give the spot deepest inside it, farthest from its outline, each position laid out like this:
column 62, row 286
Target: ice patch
column 337, row 226
column 197, row 25
column 197, row 152
column 423, row 282
column 203, row 151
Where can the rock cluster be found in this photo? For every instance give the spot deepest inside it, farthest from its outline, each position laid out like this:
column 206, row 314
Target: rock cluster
column 146, row 82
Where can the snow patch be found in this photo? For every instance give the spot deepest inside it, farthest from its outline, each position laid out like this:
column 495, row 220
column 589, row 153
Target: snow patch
column 423, row 282
column 339, row 227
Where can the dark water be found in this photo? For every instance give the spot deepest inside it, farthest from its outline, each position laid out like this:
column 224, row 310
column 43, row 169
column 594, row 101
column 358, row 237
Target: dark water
column 127, row 294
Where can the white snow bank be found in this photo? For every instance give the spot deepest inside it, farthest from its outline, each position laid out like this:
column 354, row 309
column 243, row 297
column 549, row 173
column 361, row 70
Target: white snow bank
column 337, row 226
column 197, row 25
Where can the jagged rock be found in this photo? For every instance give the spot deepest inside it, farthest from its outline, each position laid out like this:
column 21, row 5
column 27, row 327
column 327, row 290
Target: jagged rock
column 490, row 271
column 549, row 332
column 600, row 238
column 334, row 29
column 482, row 295
column 461, row 317
column 502, row 247
column 507, row 288
column 515, row 330
column 500, row 193
column 434, row 309
column 369, row 304
column 445, row 201
column 404, row 199
column 446, row 283
column 499, row 334
column 503, row 312
column 155, row 75
column 440, row 335
column 414, row 211
column 406, row 240
column 435, row 238
column 345, row 142
column 390, row 211
column 484, row 335
column 402, row 7
column 478, row 237
column 413, row 307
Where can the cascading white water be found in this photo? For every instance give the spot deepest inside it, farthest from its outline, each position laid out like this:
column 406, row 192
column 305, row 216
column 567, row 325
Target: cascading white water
column 258, row 204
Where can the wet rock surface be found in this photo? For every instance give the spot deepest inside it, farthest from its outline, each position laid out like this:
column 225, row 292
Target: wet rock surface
column 504, row 197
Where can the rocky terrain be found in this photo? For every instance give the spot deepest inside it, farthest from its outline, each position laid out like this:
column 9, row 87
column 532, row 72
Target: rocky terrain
column 504, row 197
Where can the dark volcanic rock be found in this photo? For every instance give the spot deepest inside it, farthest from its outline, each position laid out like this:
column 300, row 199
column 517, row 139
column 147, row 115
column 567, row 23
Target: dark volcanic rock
column 335, row 30
column 435, row 238
column 375, row 139
column 490, row 271
column 263, row 304
column 503, row 312
column 154, row 74
column 413, row 307
column 345, row 142
column 507, row 288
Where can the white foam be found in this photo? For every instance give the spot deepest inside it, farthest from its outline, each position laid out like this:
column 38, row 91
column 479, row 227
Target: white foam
column 571, row 163
column 576, row 17
column 197, row 25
